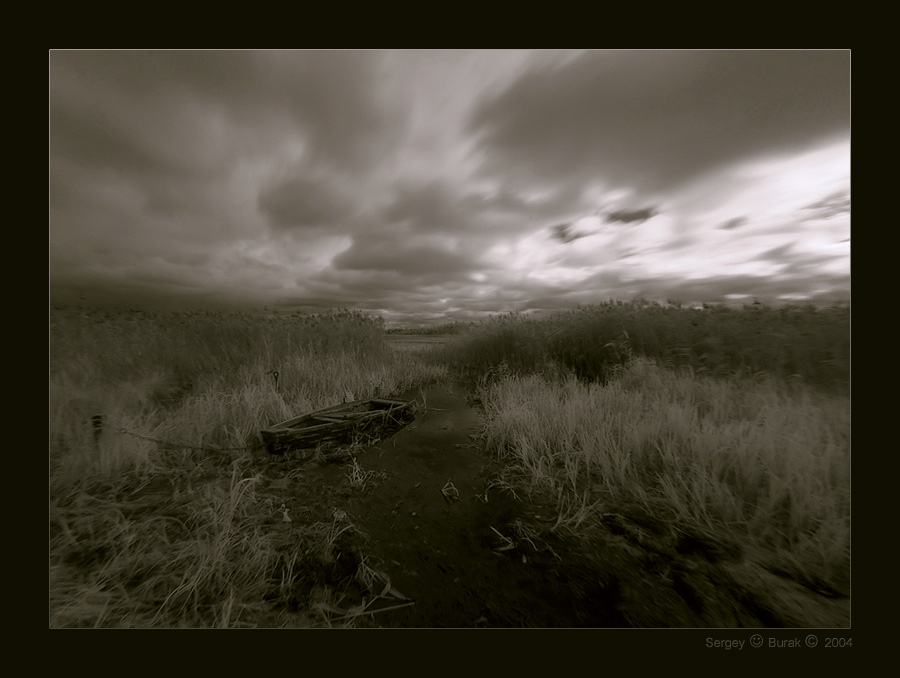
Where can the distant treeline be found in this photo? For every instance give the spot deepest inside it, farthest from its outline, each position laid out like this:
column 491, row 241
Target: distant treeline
column 801, row 343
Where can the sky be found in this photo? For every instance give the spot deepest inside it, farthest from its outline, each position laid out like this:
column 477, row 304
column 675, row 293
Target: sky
column 448, row 185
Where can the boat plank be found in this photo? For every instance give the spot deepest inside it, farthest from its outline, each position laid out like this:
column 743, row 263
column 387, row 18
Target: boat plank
column 330, row 423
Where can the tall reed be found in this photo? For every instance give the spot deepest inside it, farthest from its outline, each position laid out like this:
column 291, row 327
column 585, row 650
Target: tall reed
column 799, row 343
column 154, row 417
column 756, row 462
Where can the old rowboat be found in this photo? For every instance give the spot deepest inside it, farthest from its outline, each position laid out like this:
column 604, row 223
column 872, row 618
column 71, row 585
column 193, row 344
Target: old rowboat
column 339, row 423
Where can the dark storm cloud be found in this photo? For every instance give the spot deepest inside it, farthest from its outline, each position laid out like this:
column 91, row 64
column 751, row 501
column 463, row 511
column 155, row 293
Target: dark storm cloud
column 334, row 95
column 442, row 207
column 385, row 253
column 378, row 290
column 303, row 202
column 192, row 194
column 104, row 287
column 241, row 175
column 328, row 95
column 63, row 190
column 108, row 112
column 94, row 139
column 629, row 216
column 365, row 284
column 656, row 119
column 430, row 207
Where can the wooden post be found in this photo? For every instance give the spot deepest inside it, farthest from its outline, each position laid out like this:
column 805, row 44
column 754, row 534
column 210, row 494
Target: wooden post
column 97, row 423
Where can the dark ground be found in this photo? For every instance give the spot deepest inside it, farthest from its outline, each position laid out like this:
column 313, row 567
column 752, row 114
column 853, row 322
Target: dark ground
column 488, row 559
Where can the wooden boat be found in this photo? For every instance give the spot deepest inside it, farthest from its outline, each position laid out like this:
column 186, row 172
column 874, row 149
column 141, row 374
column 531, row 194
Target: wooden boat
column 338, row 423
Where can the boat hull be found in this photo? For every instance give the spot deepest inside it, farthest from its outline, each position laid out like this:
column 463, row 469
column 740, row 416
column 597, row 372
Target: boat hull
column 372, row 417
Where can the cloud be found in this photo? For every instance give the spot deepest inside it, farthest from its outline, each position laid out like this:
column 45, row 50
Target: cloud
column 777, row 254
column 654, row 120
column 566, row 233
column 98, row 140
column 832, row 205
column 628, row 216
column 385, row 253
column 328, row 97
column 441, row 207
column 304, row 202
column 732, row 223
column 449, row 183
column 576, row 230
column 430, row 207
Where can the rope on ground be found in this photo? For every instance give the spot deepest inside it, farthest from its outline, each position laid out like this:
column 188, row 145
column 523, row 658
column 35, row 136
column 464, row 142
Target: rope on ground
column 203, row 448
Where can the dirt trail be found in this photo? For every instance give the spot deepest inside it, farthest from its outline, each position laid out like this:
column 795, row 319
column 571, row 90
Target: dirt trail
column 465, row 564
column 448, row 555
column 439, row 550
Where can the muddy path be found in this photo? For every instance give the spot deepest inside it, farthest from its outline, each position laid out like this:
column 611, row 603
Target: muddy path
column 460, row 552
column 446, row 536
column 428, row 517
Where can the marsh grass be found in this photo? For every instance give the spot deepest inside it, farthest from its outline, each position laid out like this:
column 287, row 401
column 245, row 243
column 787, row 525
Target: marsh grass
column 194, row 558
column 797, row 343
column 155, row 517
column 728, row 423
column 359, row 478
column 759, row 463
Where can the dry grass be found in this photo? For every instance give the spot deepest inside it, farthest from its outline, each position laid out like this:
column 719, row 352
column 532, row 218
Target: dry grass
column 756, row 462
column 359, row 478
column 799, row 343
column 155, row 517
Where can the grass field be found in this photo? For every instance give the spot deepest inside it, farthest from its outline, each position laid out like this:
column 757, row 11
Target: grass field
column 729, row 424
column 155, row 517
column 794, row 343
column 755, row 464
